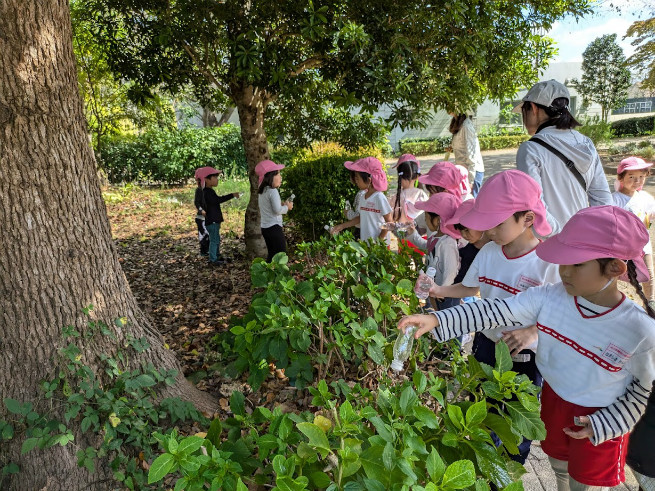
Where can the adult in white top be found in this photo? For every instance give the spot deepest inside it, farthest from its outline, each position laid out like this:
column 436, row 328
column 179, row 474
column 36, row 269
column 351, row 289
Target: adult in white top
column 546, row 116
column 466, row 147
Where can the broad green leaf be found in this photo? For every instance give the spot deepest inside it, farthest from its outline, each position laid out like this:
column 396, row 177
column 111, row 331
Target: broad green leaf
column 28, row 445
column 427, row 417
column 450, row 440
column 388, row 456
column 320, row 479
column 190, row 444
column 408, row 400
column 404, row 285
column 13, row 406
column 161, row 466
column 145, row 380
column 241, row 486
column 435, row 465
column 371, row 460
column 375, row 353
column 382, row 428
column 456, row 415
column 237, row 330
column 527, row 422
column 476, row 413
column 491, row 463
column 237, row 403
column 405, row 466
column 529, row 402
column 503, row 430
column 374, row 485
column 316, row 436
column 503, row 358
column 482, row 485
column 515, row 486
column 214, row 432
column 459, row 475
column 420, row 381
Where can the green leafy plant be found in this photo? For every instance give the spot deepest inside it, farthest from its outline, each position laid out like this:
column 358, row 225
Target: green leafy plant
column 171, row 156
column 338, row 302
column 427, row 433
column 322, row 185
column 634, row 126
column 597, row 130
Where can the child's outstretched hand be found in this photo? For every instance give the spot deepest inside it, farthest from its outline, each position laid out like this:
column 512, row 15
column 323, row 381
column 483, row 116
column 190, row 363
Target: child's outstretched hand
column 519, row 339
column 425, row 323
column 289, row 205
column 585, row 432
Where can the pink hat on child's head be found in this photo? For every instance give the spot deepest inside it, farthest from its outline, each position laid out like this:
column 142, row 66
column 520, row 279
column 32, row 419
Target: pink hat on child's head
column 462, row 210
column 599, row 232
column 407, row 157
column 444, row 174
column 203, row 173
column 264, row 167
column 445, row 205
column 464, row 186
column 503, row 195
column 371, row 166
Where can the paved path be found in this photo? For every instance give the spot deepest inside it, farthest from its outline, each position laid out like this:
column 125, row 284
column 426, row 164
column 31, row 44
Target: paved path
column 540, row 476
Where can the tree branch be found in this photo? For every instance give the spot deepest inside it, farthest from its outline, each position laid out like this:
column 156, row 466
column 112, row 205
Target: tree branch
column 309, row 63
column 206, row 73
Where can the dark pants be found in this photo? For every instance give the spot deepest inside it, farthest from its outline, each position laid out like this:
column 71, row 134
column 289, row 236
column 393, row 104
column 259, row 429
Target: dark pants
column 484, row 350
column 275, row 241
column 203, row 237
column 477, row 183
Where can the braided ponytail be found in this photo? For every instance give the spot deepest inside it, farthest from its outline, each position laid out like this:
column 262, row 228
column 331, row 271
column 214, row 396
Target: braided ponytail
column 408, row 171
column 632, row 275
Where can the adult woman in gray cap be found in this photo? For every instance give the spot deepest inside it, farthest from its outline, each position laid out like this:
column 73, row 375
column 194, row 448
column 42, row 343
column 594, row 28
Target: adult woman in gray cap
column 563, row 161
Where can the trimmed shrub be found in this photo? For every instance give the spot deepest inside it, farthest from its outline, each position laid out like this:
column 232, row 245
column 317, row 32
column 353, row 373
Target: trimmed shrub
column 634, row 126
column 321, row 184
column 597, row 130
column 169, row 157
column 421, row 146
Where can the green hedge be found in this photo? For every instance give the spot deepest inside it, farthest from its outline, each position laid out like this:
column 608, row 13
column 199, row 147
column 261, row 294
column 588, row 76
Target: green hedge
column 169, row 157
column 428, row 146
column 322, row 185
column 634, row 126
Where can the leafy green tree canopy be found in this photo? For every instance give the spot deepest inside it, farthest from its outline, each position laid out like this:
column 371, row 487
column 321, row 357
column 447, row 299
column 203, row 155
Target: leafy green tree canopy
column 644, row 56
column 291, row 55
column 605, row 77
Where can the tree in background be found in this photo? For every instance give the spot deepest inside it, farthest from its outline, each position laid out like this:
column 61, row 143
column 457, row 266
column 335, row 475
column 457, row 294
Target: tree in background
column 108, row 107
column 643, row 58
column 410, row 56
column 605, row 78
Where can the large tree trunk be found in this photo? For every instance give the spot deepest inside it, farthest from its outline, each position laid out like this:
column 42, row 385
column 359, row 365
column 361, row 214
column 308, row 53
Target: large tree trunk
column 251, row 103
column 57, row 252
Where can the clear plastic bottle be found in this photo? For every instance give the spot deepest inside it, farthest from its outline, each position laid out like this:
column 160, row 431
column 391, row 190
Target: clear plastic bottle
column 423, row 285
column 403, row 348
column 292, row 197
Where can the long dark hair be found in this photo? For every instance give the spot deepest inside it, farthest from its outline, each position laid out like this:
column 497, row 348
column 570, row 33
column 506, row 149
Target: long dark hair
column 632, row 276
column 267, row 182
column 456, row 123
column 408, row 170
column 558, row 113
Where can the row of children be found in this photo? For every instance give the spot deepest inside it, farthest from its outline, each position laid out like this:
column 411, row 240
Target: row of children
column 558, row 307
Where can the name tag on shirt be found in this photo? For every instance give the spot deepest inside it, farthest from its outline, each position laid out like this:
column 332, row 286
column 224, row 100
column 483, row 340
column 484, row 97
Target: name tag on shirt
column 525, row 282
column 615, row 355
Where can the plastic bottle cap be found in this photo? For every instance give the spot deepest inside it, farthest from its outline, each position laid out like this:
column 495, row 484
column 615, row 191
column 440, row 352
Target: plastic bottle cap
column 397, row 365
column 431, row 271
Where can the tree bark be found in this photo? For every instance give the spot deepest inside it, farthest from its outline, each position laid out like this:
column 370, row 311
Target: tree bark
column 251, row 103
column 58, row 255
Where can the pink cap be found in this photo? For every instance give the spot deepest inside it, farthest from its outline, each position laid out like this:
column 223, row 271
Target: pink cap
column 407, row 157
column 371, row 166
column 464, row 186
column 503, row 195
column 632, row 163
column 445, row 205
column 599, row 232
column 204, row 172
column 444, row 174
column 462, row 210
column 264, row 167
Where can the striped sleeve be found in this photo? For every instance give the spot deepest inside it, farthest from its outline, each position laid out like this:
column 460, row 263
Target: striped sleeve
column 620, row 417
column 474, row 317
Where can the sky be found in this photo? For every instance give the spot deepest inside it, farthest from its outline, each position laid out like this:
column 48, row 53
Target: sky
column 573, row 37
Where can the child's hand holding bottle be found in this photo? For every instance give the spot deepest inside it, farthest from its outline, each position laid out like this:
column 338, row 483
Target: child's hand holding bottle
column 424, row 283
column 424, row 323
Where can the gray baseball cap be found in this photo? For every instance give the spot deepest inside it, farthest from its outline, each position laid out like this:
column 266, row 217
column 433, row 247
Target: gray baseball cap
column 544, row 93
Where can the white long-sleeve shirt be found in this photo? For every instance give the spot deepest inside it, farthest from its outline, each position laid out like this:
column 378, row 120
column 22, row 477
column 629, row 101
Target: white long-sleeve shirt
column 604, row 360
column 562, row 194
column 270, row 208
column 466, row 148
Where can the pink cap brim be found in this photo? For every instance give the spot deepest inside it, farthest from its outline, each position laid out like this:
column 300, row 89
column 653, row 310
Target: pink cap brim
column 477, row 220
column 270, row 169
column 552, row 250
